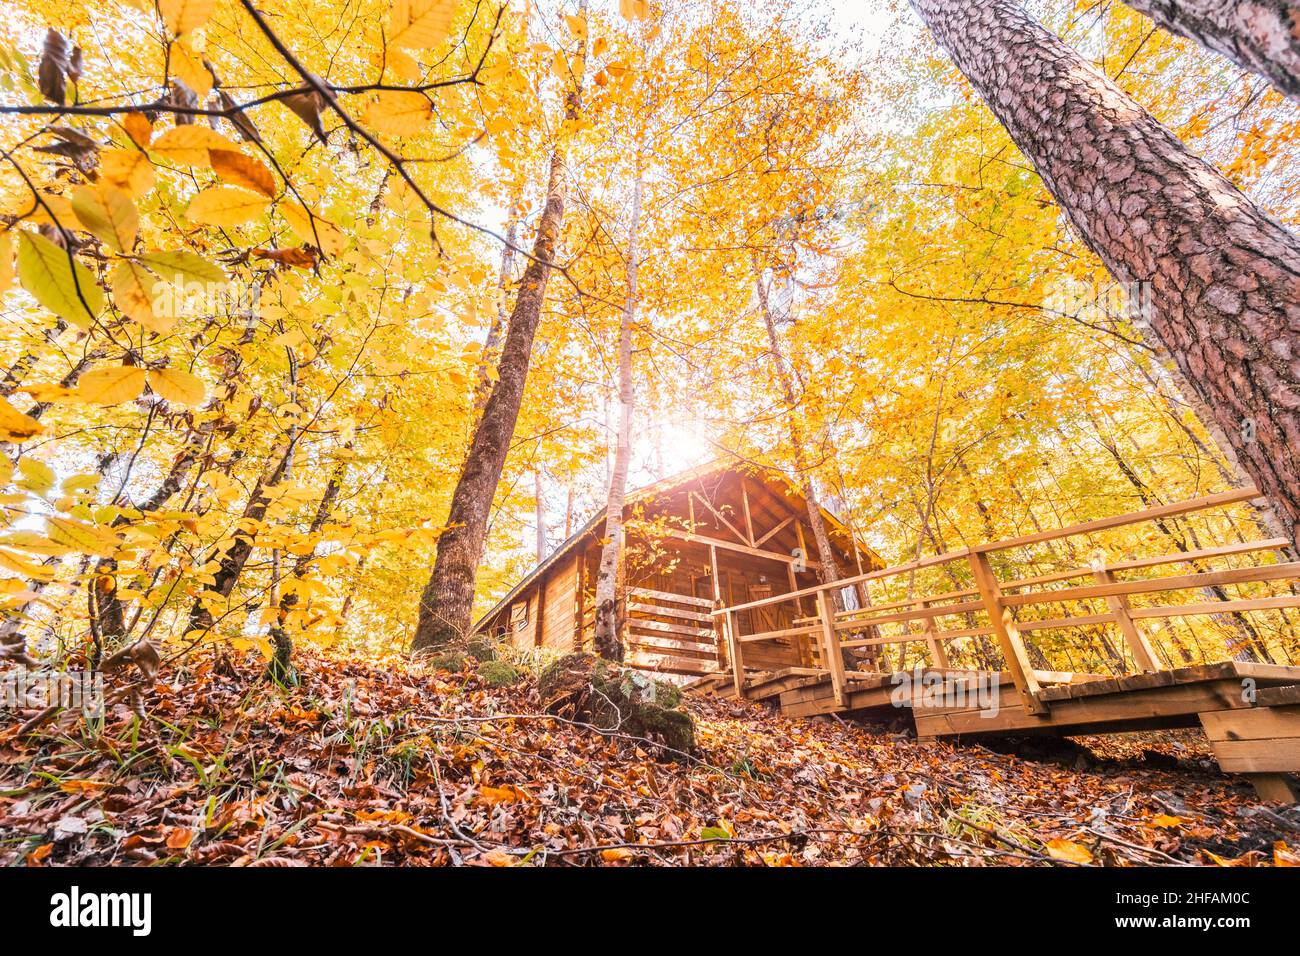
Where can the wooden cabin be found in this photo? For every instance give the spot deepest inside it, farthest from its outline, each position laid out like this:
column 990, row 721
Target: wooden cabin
column 716, row 536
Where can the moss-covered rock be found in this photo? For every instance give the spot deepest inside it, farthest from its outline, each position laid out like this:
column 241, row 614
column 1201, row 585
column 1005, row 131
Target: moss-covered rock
column 497, row 673
column 482, row 649
column 617, row 700
column 450, row 660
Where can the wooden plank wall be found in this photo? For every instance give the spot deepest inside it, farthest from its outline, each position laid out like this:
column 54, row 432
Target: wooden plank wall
column 558, row 595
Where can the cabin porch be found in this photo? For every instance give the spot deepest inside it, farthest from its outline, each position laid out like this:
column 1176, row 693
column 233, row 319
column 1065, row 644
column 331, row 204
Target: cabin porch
column 1001, row 638
column 672, row 586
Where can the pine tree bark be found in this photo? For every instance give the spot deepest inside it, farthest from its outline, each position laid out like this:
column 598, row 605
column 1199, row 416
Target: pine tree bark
column 609, row 631
column 447, row 601
column 1261, row 36
column 1223, row 277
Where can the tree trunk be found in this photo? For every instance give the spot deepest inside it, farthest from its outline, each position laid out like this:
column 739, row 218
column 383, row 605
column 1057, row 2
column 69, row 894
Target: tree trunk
column 483, row 383
column 232, row 561
column 447, row 602
column 540, row 513
column 280, row 667
column 830, row 570
column 609, row 636
column 1262, row 36
column 1223, row 277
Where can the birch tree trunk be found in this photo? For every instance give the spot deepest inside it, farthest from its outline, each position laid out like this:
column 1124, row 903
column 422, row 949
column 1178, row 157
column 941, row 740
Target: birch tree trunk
column 483, row 383
column 1222, row 277
column 609, row 636
column 447, row 601
column 830, row 570
column 1262, row 36
column 540, row 514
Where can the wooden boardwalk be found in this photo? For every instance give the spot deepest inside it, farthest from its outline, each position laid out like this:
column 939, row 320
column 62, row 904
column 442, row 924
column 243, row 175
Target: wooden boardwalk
column 1250, row 710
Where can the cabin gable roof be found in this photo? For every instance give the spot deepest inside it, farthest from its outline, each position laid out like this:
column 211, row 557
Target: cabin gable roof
column 772, row 481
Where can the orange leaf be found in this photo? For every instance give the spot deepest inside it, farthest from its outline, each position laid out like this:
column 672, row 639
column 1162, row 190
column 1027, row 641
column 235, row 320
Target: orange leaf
column 1068, row 851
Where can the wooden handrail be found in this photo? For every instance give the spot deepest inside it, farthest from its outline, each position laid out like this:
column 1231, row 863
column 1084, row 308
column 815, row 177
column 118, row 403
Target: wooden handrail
column 1202, row 503
column 997, row 599
column 1176, row 557
column 1178, row 582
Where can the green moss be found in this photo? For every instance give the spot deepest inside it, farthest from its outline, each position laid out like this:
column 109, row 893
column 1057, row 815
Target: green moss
column 617, row 700
column 482, row 649
column 497, row 673
column 453, row 661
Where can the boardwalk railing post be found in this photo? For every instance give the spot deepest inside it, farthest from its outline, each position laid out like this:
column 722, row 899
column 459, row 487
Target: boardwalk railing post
column 831, row 644
column 1144, row 656
column 734, row 646
column 937, row 651
column 1008, row 634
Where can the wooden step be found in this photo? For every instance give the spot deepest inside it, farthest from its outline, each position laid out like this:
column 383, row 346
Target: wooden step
column 665, row 662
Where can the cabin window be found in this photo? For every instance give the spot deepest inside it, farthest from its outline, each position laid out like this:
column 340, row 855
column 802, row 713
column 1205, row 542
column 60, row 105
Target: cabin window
column 519, row 616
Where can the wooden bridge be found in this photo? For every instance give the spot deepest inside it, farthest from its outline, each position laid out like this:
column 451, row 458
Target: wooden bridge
column 1232, row 674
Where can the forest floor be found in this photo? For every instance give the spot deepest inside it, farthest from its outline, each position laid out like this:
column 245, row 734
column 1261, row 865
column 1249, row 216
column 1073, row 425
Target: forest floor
column 387, row 762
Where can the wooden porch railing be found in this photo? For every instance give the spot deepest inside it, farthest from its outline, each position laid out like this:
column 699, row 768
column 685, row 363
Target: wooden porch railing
column 671, row 632
column 1001, row 601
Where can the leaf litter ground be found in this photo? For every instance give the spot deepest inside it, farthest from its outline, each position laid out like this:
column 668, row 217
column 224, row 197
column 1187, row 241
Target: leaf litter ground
column 388, row 762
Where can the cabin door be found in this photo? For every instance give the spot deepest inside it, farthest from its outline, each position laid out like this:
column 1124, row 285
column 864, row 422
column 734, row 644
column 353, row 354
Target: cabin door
column 763, row 618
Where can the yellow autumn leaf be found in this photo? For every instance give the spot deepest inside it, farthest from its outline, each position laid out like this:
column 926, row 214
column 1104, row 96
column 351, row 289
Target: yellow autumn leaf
column 177, row 386
column 181, row 265
column 133, row 286
column 24, row 566
column 191, row 71
column 634, row 9
column 139, row 128
column 419, row 24
column 33, row 542
column 81, row 536
column 112, row 385
column 225, row 206
column 241, row 170
column 189, row 144
column 1068, row 851
column 1166, row 822
column 402, row 64
column 65, row 287
column 185, row 16
column 75, row 483
column 107, row 212
column 311, row 228
column 36, row 475
column 16, row 426
column 399, row 112
column 128, row 169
